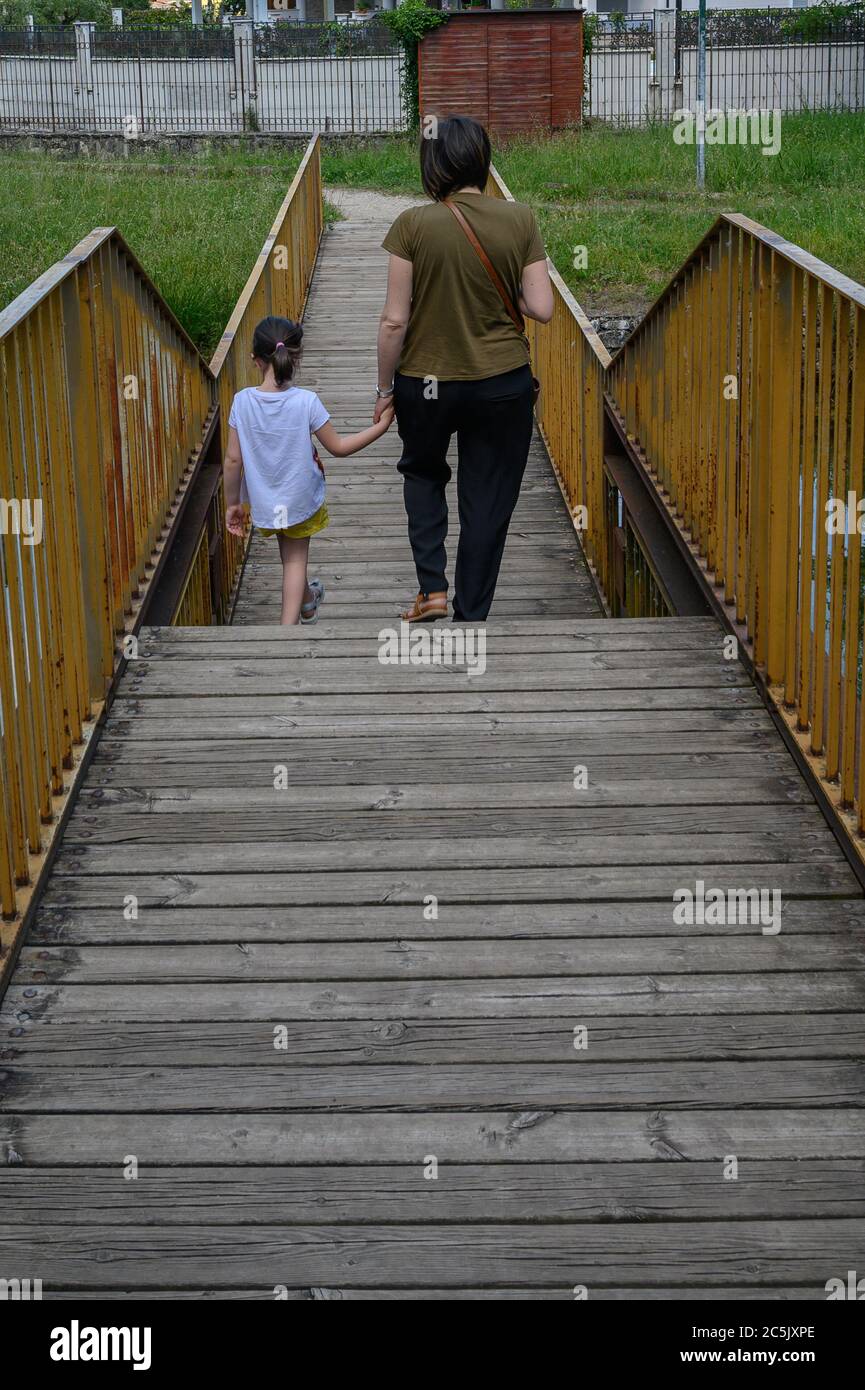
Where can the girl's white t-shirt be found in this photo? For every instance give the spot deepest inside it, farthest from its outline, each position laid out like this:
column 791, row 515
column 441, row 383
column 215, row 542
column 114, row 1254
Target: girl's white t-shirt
column 281, row 480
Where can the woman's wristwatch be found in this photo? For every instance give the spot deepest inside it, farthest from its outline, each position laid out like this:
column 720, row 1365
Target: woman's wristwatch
column 388, row 391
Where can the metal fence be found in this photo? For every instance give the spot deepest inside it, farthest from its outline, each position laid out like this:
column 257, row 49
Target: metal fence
column 287, row 78
column 643, row 67
column 618, row 67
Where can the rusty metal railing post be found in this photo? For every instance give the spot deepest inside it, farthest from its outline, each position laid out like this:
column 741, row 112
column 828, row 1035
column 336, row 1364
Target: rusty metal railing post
column 761, row 463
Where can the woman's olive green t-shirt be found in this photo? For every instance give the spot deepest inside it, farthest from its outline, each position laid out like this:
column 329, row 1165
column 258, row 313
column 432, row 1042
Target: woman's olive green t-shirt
column 459, row 329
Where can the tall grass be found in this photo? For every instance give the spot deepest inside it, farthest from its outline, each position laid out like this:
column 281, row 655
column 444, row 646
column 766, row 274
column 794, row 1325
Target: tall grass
column 197, row 222
column 629, row 196
column 196, row 225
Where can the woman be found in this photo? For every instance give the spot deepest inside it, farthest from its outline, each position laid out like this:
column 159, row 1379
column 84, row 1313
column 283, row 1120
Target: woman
column 454, row 362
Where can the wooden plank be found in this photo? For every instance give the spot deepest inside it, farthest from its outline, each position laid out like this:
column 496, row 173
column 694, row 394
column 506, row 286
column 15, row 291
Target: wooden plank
column 585, row 996
column 146, row 729
column 567, row 849
column 416, row 769
column 300, row 1293
column 39, row 1041
column 812, row 878
column 749, row 1252
column 448, row 702
column 312, row 678
column 507, row 665
column 267, row 642
column 246, row 925
column 572, row 1192
column 98, row 804
column 488, row 1137
column 301, row 823
column 404, row 959
column 574, row 1085
column 541, row 747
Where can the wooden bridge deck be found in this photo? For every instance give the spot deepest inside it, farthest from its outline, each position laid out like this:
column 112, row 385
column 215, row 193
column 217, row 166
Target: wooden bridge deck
column 238, row 986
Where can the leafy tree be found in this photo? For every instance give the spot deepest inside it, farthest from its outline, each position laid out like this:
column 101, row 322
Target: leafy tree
column 53, row 13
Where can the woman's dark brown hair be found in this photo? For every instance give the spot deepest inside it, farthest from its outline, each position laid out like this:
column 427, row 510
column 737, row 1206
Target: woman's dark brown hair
column 278, row 341
column 458, row 156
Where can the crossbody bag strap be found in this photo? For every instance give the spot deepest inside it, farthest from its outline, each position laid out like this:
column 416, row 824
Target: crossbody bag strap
column 488, row 266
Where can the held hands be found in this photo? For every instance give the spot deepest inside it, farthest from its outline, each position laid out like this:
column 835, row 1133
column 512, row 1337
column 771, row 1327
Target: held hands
column 235, row 520
column 384, row 414
column 382, row 405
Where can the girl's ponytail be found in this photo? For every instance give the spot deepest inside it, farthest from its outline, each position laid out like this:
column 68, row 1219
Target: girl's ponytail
column 278, row 341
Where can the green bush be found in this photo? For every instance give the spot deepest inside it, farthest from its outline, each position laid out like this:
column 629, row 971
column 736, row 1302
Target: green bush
column 410, row 22
column 813, row 22
column 53, row 13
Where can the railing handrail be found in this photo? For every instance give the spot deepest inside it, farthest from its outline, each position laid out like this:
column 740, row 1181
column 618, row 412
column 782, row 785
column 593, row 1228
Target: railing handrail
column 575, row 307
column 795, row 255
column 117, row 472
column 246, row 294
column 24, row 303
column 61, row 270
column 742, row 392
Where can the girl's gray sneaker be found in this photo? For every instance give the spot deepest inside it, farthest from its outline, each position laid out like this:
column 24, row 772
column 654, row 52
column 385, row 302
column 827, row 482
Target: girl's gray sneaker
column 309, row 612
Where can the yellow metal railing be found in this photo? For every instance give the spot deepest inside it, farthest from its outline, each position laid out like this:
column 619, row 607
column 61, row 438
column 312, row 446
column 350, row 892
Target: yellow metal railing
column 194, row 608
column 571, row 361
column 744, row 388
column 279, row 281
column 103, row 403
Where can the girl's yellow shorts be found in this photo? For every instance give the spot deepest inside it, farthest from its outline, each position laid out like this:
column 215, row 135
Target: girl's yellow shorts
column 310, row 527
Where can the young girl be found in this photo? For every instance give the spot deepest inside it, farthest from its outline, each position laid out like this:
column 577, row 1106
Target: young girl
column 271, row 462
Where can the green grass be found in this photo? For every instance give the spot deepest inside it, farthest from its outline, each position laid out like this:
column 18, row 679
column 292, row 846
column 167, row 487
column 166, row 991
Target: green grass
column 630, row 197
column 196, row 224
column 388, row 164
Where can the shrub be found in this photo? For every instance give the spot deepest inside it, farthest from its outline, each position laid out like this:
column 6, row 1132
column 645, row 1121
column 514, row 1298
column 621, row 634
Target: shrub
column 410, row 22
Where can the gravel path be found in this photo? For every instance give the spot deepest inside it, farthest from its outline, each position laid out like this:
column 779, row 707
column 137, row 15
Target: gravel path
column 365, row 205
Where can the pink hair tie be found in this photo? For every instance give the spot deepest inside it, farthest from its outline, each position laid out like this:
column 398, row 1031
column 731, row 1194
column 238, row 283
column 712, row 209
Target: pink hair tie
column 279, row 345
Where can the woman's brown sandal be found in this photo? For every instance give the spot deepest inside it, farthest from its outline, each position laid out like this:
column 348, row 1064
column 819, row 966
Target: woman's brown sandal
column 427, row 608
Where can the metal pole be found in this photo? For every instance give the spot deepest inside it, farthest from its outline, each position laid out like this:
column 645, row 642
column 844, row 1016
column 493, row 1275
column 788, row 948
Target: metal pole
column 701, row 95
